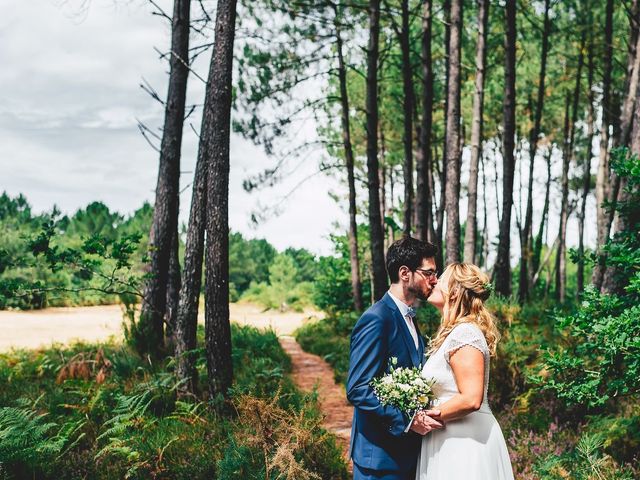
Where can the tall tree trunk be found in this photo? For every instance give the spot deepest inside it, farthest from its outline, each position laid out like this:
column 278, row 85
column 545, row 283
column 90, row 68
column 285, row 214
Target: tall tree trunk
column 586, row 171
column 382, row 179
column 424, row 217
column 526, row 240
column 165, row 213
column 173, row 292
column 407, row 107
column 452, row 140
column 476, row 134
column 602, row 178
column 611, row 282
column 537, row 244
column 440, row 217
column 561, row 259
column 390, row 207
column 379, row 285
column 216, row 130
column 485, row 225
column 446, row 12
column 560, row 265
column 356, row 285
column 625, row 121
column 502, row 266
column 187, row 321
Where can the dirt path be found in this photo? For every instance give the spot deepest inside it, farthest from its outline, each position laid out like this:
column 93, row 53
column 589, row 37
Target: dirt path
column 309, row 371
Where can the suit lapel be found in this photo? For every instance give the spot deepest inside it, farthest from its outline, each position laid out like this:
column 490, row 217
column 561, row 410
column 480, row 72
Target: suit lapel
column 406, row 335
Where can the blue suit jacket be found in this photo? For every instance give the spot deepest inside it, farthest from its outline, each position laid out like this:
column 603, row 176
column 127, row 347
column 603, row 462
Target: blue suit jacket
column 378, row 440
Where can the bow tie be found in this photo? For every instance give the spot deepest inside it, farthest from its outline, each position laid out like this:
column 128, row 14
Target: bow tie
column 411, row 312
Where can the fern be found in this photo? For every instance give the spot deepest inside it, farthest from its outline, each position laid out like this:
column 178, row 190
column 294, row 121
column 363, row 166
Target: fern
column 131, row 412
column 26, row 437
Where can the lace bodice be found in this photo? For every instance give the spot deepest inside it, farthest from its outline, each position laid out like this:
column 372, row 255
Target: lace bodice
column 438, row 367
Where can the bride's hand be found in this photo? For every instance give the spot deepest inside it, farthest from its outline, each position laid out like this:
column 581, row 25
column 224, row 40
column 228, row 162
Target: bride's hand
column 426, row 421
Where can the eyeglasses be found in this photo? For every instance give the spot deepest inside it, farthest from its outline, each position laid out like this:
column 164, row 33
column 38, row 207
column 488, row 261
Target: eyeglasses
column 427, row 273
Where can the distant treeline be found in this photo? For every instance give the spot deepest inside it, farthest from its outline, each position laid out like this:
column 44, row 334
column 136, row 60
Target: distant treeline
column 291, row 279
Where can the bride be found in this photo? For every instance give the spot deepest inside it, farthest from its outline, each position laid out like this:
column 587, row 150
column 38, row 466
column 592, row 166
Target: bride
column 471, row 446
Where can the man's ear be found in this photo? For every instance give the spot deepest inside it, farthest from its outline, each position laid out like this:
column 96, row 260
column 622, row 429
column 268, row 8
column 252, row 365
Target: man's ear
column 403, row 272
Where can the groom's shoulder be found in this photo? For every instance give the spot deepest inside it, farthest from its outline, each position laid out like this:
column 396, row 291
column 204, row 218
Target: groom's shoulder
column 378, row 311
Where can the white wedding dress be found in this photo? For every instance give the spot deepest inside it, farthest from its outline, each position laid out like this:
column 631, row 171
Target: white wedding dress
column 471, row 447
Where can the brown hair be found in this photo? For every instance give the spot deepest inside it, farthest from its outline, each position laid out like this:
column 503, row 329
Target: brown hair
column 468, row 289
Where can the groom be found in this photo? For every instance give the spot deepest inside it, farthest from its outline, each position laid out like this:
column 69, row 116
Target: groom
column 385, row 442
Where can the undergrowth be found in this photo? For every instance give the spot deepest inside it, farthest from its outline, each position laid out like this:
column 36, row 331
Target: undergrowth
column 102, row 412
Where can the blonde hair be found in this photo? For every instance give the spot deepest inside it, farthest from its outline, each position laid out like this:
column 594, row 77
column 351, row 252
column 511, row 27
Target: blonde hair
column 468, row 289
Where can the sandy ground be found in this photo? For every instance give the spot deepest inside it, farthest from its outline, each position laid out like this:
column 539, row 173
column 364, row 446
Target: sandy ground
column 33, row 329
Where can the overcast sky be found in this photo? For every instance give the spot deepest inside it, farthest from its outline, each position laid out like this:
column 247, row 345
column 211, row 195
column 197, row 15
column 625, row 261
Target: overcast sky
column 71, row 98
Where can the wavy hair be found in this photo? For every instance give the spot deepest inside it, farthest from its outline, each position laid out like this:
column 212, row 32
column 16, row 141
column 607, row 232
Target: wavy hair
column 468, row 289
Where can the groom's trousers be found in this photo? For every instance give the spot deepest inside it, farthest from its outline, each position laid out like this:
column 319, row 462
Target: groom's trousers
column 360, row 473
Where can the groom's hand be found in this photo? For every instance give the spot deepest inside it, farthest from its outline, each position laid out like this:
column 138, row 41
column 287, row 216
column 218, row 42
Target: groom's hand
column 426, row 421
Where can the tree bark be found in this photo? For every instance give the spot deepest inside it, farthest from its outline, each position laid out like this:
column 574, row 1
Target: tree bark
column 216, row 125
column 452, row 139
column 586, row 172
column 560, row 265
column 611, row 282
column 440, row 210
column 356, row 284
column 485, row 225
column 173, row 292
column 407, row 107
column 379, row 285
column 526, row 240
column 502, row 267
column 387, row 230
column 537, row 244
column 424, row 218
column 187, row 321
column 623, row 138
column 561, row 260
column 602, row 177
column 476, row 134
column 165, row 213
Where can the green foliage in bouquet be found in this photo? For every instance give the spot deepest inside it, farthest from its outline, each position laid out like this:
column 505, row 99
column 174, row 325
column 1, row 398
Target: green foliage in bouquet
column 404, row 388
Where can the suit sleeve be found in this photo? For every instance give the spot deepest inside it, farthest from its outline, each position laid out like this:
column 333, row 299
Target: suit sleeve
column 368, row 358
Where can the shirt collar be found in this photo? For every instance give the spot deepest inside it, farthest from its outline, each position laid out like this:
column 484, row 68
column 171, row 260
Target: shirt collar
column 404, row 308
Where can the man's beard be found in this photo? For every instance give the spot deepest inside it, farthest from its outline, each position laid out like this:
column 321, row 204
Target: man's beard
column 419, row 292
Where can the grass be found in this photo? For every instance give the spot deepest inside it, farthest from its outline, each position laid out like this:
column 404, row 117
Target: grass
column 99, row 411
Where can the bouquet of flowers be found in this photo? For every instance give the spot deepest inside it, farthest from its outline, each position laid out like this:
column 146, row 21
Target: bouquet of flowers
column 404, row 388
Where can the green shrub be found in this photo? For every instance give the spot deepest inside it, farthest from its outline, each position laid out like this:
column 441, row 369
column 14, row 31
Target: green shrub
column 283, row 291
column 132, row 426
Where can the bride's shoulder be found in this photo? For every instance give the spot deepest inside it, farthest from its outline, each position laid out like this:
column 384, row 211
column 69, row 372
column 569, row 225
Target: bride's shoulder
column 466, row 329
column 467, row 333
